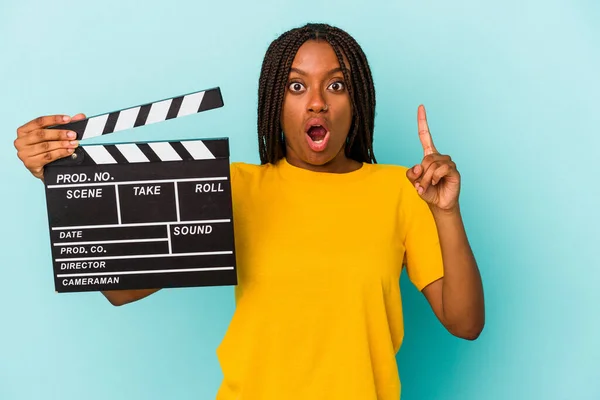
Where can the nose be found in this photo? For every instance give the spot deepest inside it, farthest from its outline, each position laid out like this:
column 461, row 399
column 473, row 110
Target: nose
column 316, row 102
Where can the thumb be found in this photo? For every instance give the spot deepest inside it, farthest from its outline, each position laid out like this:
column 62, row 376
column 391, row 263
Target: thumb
column 414, row 173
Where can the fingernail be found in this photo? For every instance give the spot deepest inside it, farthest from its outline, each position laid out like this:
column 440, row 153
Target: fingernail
column 420, row 190
column 416, row 169
column 66, row 118
column 73, row 142
column 71, row 135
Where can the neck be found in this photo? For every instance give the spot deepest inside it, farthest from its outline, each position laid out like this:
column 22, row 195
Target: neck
column 339, row 164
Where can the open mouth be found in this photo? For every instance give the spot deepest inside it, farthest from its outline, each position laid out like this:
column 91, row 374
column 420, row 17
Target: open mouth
column 317, row 133
column 317, row 137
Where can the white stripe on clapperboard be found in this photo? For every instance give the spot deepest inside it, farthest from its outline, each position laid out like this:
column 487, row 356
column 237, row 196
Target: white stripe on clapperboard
column 95, row 126
column 100, row 155
column 127, row 118
column 158, row 111
column 198, row 149
column 132, row 153
column 190, row 104
column 164, row 151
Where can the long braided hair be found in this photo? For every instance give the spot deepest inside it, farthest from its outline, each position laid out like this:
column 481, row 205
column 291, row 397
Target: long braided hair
column 273, row 82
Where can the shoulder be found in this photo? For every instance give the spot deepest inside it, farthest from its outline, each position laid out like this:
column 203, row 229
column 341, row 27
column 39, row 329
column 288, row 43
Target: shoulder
column 243, row 172
column 390, row 169
column 389, row 172
column 249, row 169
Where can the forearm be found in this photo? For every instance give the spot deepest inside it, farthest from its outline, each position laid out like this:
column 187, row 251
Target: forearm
column 462, row 290
column 122, row 297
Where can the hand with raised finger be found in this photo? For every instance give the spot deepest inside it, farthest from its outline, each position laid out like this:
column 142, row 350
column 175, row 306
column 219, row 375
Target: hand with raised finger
column 37, row 145
column 436, row 178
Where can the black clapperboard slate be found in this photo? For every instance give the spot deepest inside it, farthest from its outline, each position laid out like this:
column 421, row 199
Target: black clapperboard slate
column 142, row 215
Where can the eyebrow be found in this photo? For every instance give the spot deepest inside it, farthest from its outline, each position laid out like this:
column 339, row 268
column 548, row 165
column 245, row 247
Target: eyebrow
column 332, row 71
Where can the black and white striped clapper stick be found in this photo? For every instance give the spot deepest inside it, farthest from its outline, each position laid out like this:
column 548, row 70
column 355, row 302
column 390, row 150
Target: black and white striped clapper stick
column 142, row 215
column 146, row 114
column 134, row 153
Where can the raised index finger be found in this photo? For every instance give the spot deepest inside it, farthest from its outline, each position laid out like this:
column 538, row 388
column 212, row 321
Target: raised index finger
column 42, row 122
column 424, row 135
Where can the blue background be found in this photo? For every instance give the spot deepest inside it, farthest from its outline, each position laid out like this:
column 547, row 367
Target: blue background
column 512, row 94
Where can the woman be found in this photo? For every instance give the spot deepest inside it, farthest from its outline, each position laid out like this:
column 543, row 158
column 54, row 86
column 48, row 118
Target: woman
column 323, row 231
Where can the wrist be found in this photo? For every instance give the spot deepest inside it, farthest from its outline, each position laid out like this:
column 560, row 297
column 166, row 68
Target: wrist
column 451, row 212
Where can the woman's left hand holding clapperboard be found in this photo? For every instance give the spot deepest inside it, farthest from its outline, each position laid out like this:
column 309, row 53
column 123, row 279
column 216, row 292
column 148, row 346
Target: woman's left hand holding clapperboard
column 37, row 145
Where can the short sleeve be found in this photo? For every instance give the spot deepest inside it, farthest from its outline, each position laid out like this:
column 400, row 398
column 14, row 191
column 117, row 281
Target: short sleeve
column 423, row 256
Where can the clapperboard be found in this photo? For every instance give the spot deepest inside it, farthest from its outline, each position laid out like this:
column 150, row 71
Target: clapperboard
column 142, row 215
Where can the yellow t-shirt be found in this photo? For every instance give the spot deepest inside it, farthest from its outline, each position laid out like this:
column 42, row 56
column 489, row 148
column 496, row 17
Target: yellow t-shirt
column 318, row 308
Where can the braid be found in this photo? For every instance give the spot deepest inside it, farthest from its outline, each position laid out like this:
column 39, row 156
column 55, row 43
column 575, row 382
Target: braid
column 273, row 82
column 364, row 96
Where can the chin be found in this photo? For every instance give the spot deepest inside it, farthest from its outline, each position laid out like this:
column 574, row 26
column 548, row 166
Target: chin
column 319, row 159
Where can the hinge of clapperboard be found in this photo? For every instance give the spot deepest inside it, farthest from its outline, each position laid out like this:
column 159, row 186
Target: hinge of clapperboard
column 145, row 114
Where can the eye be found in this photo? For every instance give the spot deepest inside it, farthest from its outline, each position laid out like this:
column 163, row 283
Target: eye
column 296, row 86
column 337, row 86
